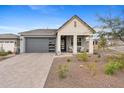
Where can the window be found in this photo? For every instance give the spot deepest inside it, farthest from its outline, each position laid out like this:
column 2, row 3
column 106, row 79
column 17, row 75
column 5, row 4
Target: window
column 51, row 44
column 75, row 24
column 71, row 41
column 6, row 41
column 78, row 41
column 1, row 41
column 11, row 41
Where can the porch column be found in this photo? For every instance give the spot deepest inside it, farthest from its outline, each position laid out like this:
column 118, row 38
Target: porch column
column 58, row 44
column 22, row 44
column 90, row 44
column 74, row 44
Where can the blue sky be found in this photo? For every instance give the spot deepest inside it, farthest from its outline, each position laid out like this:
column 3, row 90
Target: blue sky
column 15, row 19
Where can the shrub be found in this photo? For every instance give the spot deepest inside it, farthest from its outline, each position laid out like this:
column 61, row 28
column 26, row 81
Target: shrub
column 92, row 68
column 109, row 58
column 2, row 53
column 112, row 67
column 68, row 60
column 119, row 58
column 9, row 52
column 99, row 56
column 82, row 57
column 95, row 53
column 63, row 70
column 96, row 61
column 102, row 42
column 115, row 64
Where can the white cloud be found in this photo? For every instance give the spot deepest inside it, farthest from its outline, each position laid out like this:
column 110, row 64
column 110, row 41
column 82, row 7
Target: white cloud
column 10, row 29
column 37, row 7
column 46, row 9
column 98, row 29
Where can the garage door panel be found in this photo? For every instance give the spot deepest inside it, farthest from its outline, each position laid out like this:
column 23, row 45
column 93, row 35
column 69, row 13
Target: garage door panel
column 37, row 45
column 7, row 45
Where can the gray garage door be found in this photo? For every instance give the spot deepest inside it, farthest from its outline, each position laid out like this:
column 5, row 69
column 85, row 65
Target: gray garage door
column 37, row 45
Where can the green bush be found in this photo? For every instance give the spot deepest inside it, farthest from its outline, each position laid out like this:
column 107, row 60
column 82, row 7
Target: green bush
column 102, row 42
column 119, row 58
column 63, row 71
column 82, row 56
column 112, row 67
column 9, row 52
column 2, row 53
column 68, row 60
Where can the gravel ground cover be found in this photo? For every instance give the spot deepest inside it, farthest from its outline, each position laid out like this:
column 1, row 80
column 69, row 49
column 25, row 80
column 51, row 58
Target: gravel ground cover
column 81, row 76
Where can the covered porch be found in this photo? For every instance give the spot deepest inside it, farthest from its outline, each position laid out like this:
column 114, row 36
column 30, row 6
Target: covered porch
column 74, row 44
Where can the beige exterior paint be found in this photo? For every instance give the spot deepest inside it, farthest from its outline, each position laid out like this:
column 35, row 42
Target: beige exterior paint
column 81, row 29
column 22, row 44
column 91, row 45
column 69, row 29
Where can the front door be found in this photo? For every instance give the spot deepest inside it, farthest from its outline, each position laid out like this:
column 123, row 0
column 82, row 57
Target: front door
column 63, row 44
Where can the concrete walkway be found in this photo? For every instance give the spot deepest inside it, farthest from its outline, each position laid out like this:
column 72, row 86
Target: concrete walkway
column 25, row 70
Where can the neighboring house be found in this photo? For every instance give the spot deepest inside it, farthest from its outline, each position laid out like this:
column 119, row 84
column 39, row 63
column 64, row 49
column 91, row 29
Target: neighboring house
column 9, row 42
column 73, row 36
column 111, row 41
column 114, row 41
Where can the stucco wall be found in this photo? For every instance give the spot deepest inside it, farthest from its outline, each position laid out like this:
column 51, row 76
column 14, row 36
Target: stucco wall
column 22, row 44
column 69, row 29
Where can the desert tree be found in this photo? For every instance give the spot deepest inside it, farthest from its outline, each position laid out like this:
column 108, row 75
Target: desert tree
column 115, row 25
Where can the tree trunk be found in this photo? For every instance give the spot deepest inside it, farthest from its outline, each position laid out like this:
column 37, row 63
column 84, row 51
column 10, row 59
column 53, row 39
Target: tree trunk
column 121, row 38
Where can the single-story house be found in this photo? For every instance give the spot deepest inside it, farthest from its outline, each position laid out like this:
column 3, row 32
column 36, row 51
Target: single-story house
column 74, row 36
column 9, row 42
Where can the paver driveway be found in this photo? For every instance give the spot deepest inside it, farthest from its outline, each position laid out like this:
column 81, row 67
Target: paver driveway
column 25, row 70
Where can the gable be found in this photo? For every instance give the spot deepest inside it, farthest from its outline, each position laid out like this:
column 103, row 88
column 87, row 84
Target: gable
column 75, row 26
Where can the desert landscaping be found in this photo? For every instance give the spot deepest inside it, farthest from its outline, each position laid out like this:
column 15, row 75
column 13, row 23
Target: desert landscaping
column 91, row 71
